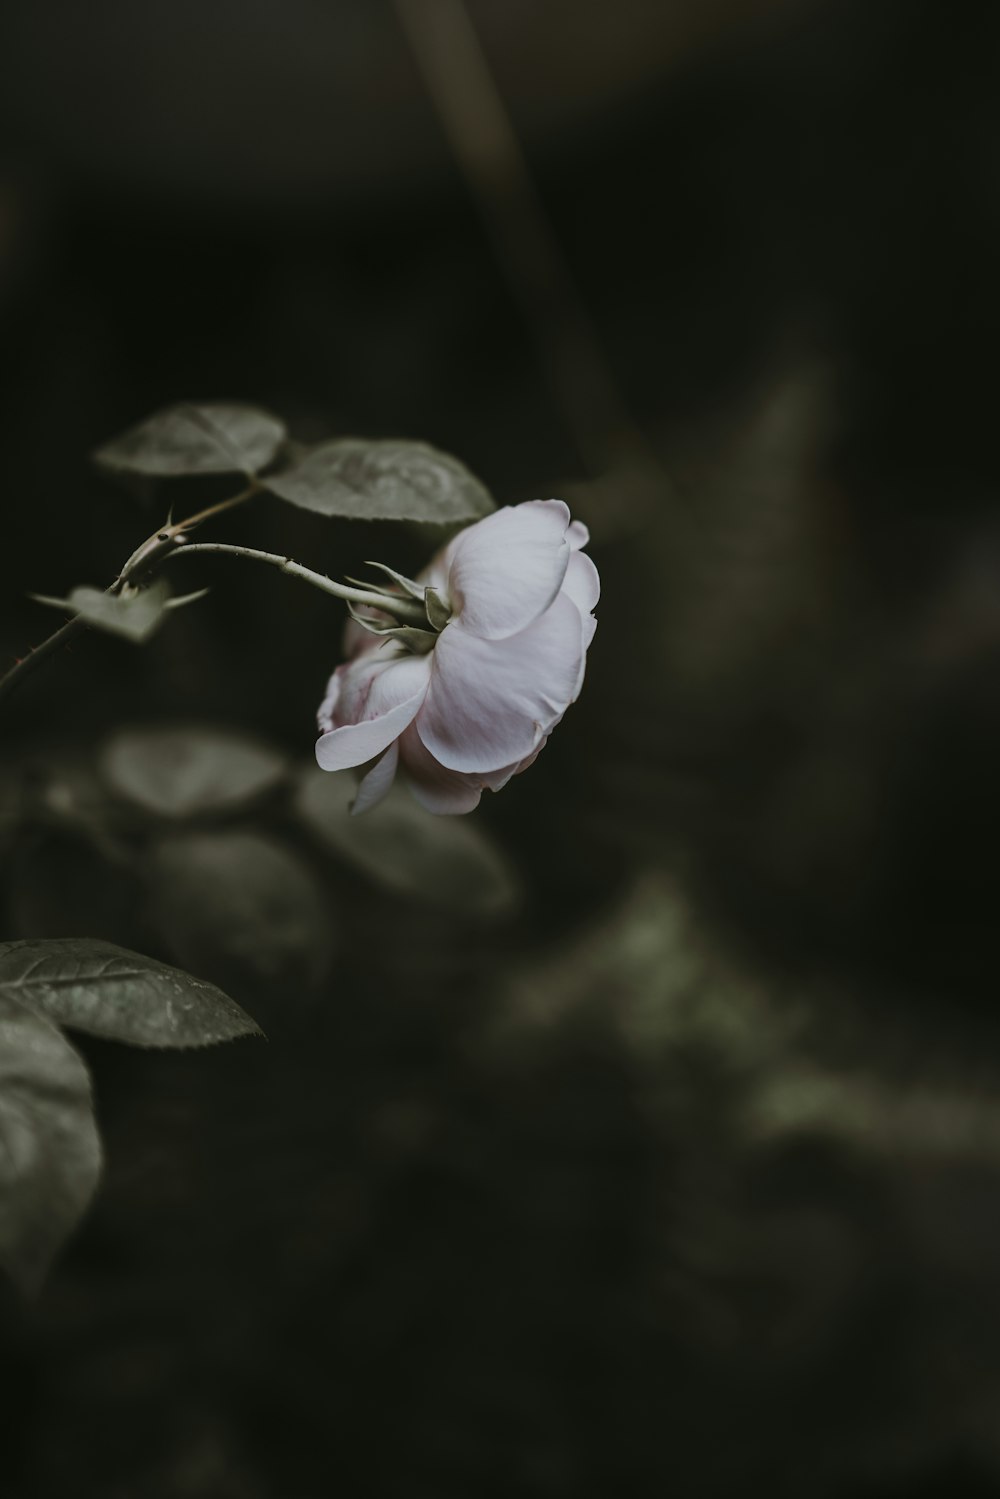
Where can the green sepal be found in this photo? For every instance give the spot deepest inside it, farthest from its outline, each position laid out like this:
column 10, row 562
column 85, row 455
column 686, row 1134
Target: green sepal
column 415, row 590
column 419, row 642
column 438, row 612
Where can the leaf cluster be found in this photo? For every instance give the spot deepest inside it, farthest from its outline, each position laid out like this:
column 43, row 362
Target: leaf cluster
column 50, row 1149
column 231, row 859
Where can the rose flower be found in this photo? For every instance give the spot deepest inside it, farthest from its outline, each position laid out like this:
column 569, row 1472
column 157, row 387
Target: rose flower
column 467, row 701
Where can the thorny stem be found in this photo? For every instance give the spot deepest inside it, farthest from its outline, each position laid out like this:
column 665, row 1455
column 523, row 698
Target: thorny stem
column 163, row 541
column 403, row 608
column 26, row 664
column 142, row 560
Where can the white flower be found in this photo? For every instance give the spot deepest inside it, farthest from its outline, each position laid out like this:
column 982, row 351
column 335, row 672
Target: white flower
column 477, row 708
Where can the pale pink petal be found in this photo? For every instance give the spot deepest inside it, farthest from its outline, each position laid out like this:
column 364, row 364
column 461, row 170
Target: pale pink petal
column 327, row 708
column 377, row 702
column 577, row 535
column 358, row 640
column 378, row 782
column 507, row 569
column 490, row 702
column 356, row 680
column 436, row 789
column 496, row 780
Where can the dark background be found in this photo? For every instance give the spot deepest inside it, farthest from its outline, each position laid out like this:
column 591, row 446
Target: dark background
column 685, row 1177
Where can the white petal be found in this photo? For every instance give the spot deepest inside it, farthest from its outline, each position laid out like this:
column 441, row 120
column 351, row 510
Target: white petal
column 577, row 535
column 436, row 789
column 490, row 702
column 582, row 583
column 377, row 783
column 583, row 586
column 507, row 569
column 377, row 701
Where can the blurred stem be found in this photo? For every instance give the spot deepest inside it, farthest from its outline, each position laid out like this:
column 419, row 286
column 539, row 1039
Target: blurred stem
column 153, row 550
column 461, row 86
column 402, row 608
column 40, row 653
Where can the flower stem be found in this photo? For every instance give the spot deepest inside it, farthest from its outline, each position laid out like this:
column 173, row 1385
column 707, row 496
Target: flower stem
column 142, row 560
column 40, row 653
column 402, row 608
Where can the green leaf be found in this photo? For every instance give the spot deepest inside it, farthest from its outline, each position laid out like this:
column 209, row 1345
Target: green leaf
column 134, row 615
column 50, row 1151
column 440, row 861
column 392, row 479
column 210, row 437
column 185, row 771
column 119, row 995
column 240, row 906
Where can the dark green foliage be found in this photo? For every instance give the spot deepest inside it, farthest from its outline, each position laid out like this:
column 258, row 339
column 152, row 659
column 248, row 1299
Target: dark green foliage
column 187, row 770
column 365, row 479
column 449, row 862
column 134, row 615
column 50, row 1153
column 118, row 995
column 195, row 438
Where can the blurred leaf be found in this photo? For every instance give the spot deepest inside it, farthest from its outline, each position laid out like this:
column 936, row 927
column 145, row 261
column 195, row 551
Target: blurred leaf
column 389, row 479
column 119, row 995
column 133, row 615
column 441, row 861
column 241, row 903
column 181, row 772
column 207, row 438
column 50, row 1152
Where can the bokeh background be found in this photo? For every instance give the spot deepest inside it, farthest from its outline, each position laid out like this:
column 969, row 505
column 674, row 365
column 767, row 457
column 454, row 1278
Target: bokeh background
column 678, row 1171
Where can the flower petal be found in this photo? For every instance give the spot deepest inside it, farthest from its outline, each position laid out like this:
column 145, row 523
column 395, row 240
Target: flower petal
column 507, row 569
column 435, row 788
column 378, row 699
column 327, row 708
column 582, row 583
column 378, row 782
column 490, row 702
column 577, row 535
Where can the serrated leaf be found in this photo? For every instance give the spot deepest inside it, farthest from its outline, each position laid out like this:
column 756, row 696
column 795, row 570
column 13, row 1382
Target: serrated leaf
column 389, row 479
column 240, row 906
column 441, row 861
column 186, row 771
column 207, row 437
column 134, row 615
column 50, row 1151
column 118, row 995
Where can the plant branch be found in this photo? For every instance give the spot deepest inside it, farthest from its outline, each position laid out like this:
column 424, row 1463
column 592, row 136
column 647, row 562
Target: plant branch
column 163, row 541
column 27, row 664
column 142, row 560
column 403, row 608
